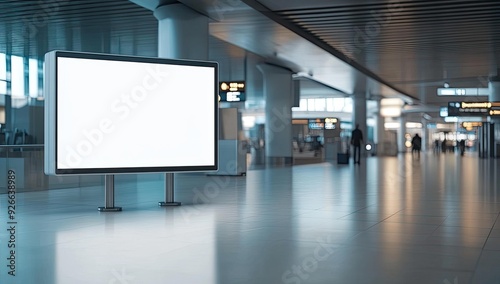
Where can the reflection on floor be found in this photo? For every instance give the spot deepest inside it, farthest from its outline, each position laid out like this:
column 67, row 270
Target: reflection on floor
column 388, row 220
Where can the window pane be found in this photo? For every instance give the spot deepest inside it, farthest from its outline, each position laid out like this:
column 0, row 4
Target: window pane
column 319, row 104
column 303, row 105
column 3, row 67
column 3, row 88
column 329, row 104
column 347, row 104
column 17, row 77
column 310, row 105
column 3, row 75
column 338, row 104
column 33, row 63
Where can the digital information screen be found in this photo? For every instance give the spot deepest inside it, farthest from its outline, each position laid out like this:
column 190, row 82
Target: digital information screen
column 232, row 91
column 232, row 97
column 316, row 124
column 331, row 123
column 107, row 114
column 469, row 108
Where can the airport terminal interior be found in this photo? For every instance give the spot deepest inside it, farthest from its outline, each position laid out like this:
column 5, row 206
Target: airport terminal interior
column 269, row 191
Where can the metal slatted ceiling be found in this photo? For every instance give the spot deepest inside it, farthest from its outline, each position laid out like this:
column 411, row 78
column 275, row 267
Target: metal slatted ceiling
column 88, row 25
column 450, row 23
column 411, row 44
column 418, row 44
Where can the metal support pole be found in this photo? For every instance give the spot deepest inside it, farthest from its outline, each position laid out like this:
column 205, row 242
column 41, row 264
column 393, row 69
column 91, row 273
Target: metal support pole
column 169, row 191
column 109, row 195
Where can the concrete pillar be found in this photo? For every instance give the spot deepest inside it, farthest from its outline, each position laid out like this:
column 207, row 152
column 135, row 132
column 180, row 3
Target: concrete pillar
column 278, row 112
column 359, row 113
column 401, row 134
column 182, row 32
column 494, row 90
column 425, row 135
column 379, row 129
column 9, row 115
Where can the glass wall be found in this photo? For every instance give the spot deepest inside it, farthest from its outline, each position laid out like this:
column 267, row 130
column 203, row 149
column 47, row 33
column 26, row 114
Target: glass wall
column 3, row 75
column 21, row 101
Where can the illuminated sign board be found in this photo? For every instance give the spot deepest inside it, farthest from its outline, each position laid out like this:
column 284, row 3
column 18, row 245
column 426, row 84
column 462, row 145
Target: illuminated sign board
column 232, row 97
column 495, row 109
column 316, row 123
column 469, row 125
column 331, row 123
column 328, row 123
column 443, row 111
column 463, row 91
column 473, row 108
column 232, row 91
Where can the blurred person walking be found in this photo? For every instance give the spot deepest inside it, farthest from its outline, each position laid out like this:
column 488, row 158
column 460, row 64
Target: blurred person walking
column 356, row 141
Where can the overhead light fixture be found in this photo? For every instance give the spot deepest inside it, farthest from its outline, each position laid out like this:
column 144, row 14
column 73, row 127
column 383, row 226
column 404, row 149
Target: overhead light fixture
column 463, row 92
column 446, row 85
column 391, row 107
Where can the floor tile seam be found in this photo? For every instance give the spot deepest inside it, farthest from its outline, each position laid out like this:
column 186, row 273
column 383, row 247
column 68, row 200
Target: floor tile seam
column 423, row 243
column 483, row 219
column 369, row 227
column 483, row 249
column 318, row 242
column 439, row 226
column 491, row 230
column 412, row 223
column 356, row 211
column 410, row 248
column 391, row 215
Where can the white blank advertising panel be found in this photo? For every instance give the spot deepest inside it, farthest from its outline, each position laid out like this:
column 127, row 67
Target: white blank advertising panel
column 120, row 114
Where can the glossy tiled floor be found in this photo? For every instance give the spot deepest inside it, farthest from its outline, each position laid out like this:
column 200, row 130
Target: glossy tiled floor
column 389, row 220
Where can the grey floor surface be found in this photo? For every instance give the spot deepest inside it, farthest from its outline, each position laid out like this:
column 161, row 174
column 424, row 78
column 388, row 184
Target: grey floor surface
column 388, row 220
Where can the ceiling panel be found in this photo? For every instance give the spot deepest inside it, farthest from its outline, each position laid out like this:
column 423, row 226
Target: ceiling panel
column 413, row 45
column 403, row 48
column 31, row 28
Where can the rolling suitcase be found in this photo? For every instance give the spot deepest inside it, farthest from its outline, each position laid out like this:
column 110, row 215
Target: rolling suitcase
column 342, row 158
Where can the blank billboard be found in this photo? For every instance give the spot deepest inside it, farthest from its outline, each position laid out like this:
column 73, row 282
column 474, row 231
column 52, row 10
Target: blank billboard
column 107, row 114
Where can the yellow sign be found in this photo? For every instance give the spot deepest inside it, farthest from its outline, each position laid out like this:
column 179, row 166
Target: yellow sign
column 238, row 86
column 476, row 105
column 471, row 124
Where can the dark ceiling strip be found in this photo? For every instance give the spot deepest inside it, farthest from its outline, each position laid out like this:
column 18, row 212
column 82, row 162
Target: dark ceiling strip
column 416, row 35
column 77, row 11
column 478, row 14
column 323, row 45
column 74, row 10
column 469, row 46
column 448, row 10
column 466, row 36
column 418, row 47
column 484, row 22
column 39, row 6
column 403, row 4
column 415, row 48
